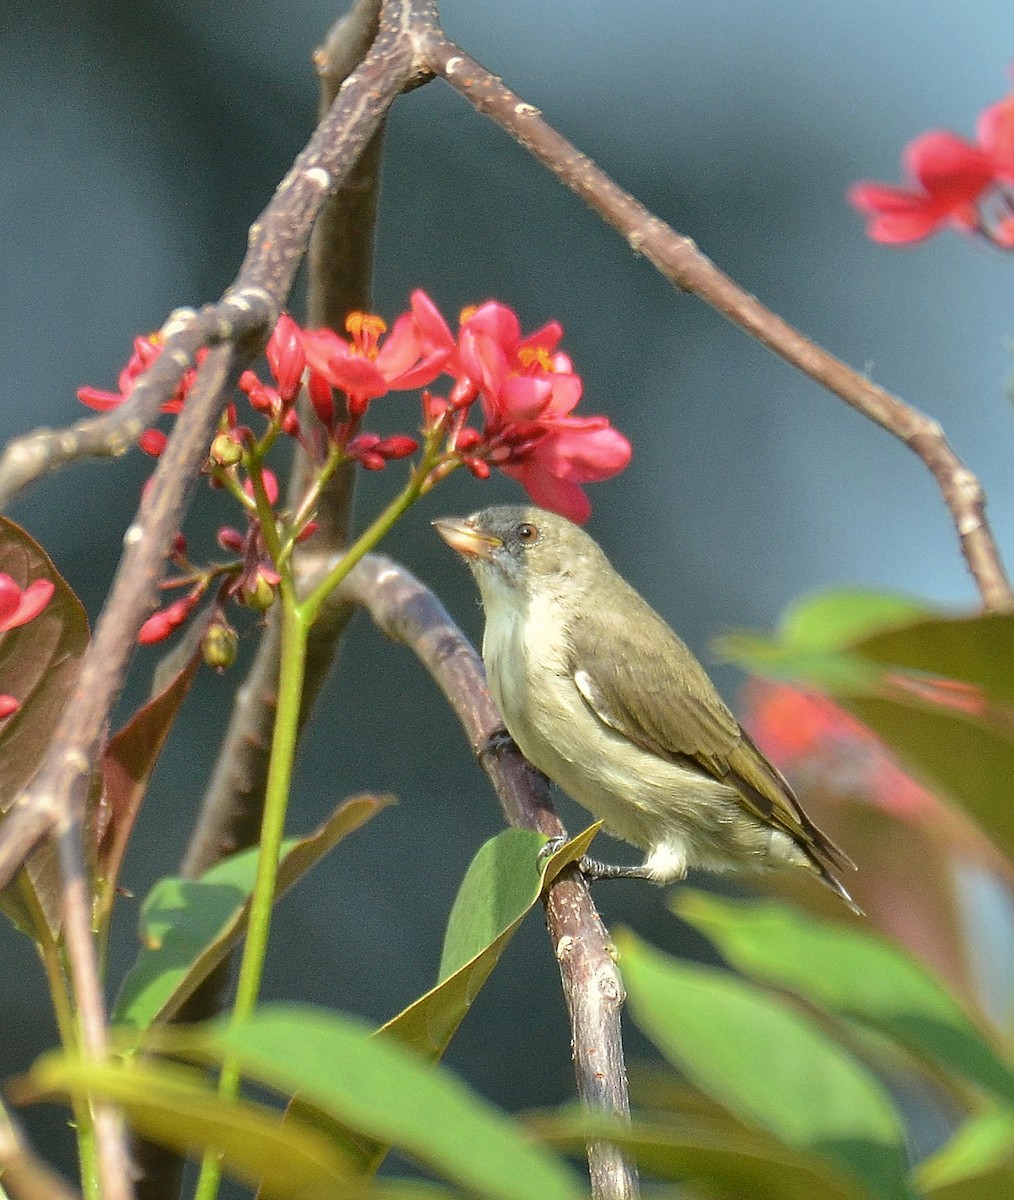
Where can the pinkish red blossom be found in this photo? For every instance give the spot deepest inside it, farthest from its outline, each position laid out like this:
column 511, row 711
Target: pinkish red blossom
column 528, row 390
column 19, row 606
column 146, row 351
column 951, row 176
column 954, row 182
column 370, row 365
column 167, row 620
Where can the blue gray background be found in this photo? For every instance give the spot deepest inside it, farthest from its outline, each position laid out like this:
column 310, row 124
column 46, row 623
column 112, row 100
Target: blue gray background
column 139, row 141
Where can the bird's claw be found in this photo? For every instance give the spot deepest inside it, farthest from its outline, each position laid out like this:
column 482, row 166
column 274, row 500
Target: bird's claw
column 550, row 848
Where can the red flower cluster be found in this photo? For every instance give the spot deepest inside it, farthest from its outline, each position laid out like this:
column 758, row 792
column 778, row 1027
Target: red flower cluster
column 525, row 388
column 957, row 182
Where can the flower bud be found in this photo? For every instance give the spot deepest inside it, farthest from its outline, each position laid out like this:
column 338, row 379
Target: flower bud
column 220, row 645
column 259, row 592
column 225, row 451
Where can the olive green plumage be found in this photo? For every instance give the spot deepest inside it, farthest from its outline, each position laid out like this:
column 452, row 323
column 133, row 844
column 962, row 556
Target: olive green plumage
column 602, row 696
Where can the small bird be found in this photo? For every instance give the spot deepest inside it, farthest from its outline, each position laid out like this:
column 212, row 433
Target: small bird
column 602, row 697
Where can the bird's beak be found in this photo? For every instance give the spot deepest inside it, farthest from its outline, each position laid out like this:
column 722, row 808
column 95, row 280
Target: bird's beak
column 462, row 536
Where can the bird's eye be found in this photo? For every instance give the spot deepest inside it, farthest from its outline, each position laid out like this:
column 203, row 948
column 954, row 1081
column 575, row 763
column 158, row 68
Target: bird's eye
column 527, row 534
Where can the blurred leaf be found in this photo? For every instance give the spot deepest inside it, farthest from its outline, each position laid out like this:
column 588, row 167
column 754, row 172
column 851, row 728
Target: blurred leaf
column 767, row 1064
column 386, row 1092
column 176, row 1108
column 952, row 753
column 976, row 1164
column 188, row 926
column 839, row 644
column 815, row 636
column 127, row 765
column 38, row 666
column 849, row 971
column 503, row 882
column 724, row 1163
column 977, row 650
column 837, row 618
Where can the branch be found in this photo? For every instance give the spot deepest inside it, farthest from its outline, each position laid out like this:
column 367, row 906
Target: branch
column 407, row 611
column 113, row 1161
column 278, row 241
column 25, row 1177
column 680, row 261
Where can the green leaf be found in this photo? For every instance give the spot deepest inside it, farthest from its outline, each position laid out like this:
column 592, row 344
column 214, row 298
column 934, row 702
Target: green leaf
column 854, row 973
column 38, row 666
column 862, row 648
column 188, row 926
column 952, row 753
column 815, row 638
column 503, row 882
column 838, row 618
column 726, row 1164
column 976, row 1164
column 768, row 1065
column 977, row 650
column 176, row 1108
column 386, row 1092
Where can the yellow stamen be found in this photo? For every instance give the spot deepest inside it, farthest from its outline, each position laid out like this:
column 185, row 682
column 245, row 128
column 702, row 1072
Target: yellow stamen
column 535, row 356
column 365, row 329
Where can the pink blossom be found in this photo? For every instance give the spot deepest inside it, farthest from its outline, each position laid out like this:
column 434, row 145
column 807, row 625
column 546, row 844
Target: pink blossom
column 951, row 174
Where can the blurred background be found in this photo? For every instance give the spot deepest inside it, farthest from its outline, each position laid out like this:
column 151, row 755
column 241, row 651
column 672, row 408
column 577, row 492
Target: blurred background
column 140, row 141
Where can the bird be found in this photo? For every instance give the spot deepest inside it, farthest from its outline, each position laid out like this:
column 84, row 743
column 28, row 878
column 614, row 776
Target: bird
column 602, row 697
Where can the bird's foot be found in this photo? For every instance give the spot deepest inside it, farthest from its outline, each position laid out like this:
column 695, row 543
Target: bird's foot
column 592, row 870
column 550, row 848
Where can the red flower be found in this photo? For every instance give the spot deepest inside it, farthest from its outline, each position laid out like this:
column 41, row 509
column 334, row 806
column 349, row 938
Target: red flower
column 952, row 174
column 286, row 357
column 167, row 620
column 570, row 451
column 146, row 351
column 365, row 369
column 529, row 390
column 995, row 131
column 17, row 606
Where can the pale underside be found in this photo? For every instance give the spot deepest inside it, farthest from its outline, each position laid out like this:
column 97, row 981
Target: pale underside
column 677, row 814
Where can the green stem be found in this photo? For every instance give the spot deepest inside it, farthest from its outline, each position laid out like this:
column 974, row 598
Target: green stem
column 283, row 753
column 418, row 484
column 297, row 619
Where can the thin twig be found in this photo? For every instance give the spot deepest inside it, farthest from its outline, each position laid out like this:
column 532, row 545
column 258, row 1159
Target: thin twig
column 114, row 1169
column 681, row 262
column 25, row 1177
column 408, row 612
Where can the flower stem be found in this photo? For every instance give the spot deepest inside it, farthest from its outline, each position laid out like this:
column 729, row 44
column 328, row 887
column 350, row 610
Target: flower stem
column 418, row 484
column 297, row 618
column 283, row 752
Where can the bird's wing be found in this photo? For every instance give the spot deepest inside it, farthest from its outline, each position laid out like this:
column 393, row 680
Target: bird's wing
column 666, row 704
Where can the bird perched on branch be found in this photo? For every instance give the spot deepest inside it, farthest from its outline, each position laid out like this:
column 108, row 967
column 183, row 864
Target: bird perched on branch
column 602, row 697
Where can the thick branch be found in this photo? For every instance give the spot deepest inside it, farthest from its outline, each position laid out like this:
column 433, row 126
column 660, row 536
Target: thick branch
column 408, row 612
column 680, row 261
